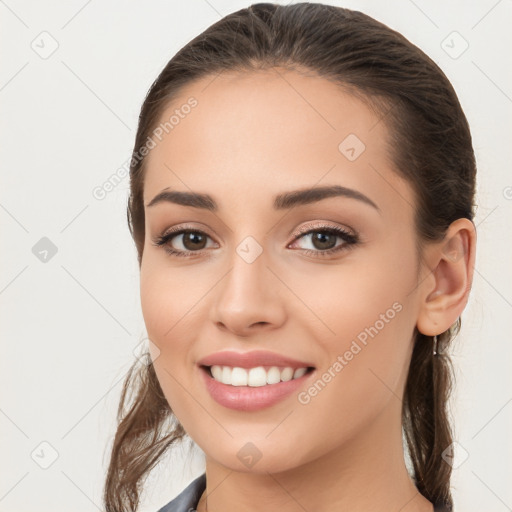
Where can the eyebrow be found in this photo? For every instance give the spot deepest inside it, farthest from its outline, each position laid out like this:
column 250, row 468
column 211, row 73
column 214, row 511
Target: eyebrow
column 284, row 201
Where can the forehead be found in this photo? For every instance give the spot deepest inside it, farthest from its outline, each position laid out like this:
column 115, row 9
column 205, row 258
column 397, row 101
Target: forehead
column 274, row 130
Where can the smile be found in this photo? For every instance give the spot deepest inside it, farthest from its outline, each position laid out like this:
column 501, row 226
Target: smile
column 253, row 389
column 255, row 377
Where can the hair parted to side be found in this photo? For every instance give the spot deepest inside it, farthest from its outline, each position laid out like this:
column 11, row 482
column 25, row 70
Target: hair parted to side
column 430, row 146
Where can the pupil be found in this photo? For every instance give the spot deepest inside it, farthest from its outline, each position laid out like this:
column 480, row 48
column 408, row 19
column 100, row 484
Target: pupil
column 319, row 241
column 194, row 239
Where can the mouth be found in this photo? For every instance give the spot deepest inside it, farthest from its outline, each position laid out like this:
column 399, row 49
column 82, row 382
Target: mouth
column 258, row 376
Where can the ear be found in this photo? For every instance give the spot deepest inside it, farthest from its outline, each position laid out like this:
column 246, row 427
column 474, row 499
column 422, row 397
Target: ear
column 444, row 293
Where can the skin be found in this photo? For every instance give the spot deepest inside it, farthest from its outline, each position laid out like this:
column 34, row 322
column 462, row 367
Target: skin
column 251, row 137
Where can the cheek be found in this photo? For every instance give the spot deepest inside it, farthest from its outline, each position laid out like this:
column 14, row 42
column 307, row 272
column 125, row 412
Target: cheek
column 367, row 292
column 362, row 373
column 172, row 304
column 166, row 320
column 167, row 303
column 156, row 308
column 367, row 315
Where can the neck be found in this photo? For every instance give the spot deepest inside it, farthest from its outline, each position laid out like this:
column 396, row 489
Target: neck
column 367, row 473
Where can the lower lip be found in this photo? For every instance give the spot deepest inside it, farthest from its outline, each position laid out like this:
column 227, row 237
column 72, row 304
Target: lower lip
column 249, row 398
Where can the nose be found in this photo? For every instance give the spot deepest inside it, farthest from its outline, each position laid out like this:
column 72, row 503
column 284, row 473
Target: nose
column 249, row 298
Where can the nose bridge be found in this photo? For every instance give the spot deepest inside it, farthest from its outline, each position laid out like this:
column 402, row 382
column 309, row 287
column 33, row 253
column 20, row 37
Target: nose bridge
column 248, row 242
column 248, row 263
column 248, row 295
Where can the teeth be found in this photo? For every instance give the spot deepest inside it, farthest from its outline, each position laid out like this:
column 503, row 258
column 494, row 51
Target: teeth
column 254, row 377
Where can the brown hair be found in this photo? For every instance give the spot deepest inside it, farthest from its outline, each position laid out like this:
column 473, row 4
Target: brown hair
column 430, row 146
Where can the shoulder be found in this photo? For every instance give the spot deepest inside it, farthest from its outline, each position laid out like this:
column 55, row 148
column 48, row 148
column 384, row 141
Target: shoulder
column 188, row 499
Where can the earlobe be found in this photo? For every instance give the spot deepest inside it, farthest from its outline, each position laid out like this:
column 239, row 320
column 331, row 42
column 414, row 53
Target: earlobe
column 445, row 294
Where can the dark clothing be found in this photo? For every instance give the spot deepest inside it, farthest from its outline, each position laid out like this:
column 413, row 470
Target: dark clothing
column 188, row 499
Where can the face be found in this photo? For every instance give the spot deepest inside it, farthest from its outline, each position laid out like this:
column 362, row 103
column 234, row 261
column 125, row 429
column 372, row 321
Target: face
column 326, row 280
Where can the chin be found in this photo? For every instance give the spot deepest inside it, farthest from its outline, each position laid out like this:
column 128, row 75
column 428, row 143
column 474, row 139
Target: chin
column 257, row 457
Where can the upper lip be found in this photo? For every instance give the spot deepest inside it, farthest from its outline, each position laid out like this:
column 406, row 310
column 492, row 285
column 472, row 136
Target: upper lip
column 251, row 359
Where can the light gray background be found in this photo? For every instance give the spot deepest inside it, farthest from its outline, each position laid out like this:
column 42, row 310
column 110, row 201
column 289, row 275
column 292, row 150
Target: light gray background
column 70, row 324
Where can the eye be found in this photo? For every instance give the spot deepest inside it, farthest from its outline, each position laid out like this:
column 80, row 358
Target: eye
column 192, row 241
column 322, row 240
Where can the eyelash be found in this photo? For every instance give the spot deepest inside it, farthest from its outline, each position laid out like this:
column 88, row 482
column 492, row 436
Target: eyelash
column 350, row 240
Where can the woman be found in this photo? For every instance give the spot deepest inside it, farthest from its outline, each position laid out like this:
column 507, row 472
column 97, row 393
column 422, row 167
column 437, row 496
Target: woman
column 302, row 190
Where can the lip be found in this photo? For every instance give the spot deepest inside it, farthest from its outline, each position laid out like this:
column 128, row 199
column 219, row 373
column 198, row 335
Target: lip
column 251, row 359
column 248, row 398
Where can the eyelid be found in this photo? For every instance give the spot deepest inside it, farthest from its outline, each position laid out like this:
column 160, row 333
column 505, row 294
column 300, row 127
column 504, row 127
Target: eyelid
column 323, row 225
column 296, row 234
column 183, row 227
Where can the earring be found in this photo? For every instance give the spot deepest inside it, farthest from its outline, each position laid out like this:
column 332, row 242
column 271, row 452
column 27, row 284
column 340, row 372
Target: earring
column 435, row 345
